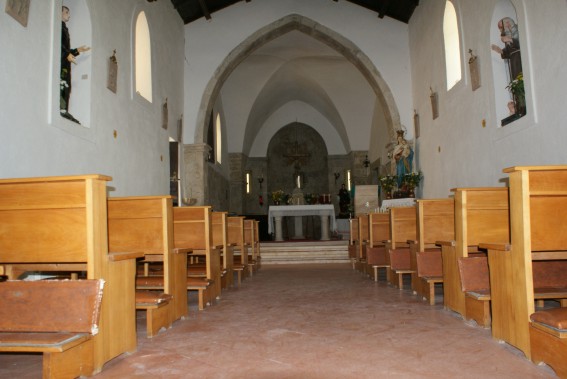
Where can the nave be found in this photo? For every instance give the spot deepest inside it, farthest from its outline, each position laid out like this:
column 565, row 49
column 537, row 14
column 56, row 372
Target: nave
column 312, row 321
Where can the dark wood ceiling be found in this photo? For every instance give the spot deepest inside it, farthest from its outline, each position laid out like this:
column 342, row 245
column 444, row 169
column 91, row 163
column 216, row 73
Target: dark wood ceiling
column 191, row 10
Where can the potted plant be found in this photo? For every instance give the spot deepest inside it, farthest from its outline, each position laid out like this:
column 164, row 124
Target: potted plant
column 387, row 183
column 278, row 197
column 410, row 181
column 516, row 87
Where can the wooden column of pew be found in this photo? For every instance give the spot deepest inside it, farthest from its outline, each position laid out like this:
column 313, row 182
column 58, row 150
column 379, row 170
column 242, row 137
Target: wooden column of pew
column 362, row 241
column 257, row 244
column 145, row 224
column 481, row 214
column 538, row 253
column 435, row 222
column 376, row 253
column 353, row 242
column 250, row 246
column 67, row 217
column 236, row 237
column 192, row 229
column 219, row 221
column 402, row 230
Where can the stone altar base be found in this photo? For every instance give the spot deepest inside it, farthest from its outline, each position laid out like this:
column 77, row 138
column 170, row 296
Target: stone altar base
column 334, row 251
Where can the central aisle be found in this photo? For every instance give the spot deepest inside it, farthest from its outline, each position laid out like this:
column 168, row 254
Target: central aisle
column 321, row 321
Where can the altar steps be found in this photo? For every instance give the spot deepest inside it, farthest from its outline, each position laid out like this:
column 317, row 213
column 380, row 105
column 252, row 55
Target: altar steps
column 335, row 251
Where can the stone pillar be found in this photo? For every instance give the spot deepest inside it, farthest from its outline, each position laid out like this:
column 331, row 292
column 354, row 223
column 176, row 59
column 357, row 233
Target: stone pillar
column 237, row 163
column 195, row 178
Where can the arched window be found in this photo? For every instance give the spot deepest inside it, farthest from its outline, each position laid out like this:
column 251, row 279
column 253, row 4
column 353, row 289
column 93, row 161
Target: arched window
column 452, row 45
column 218, row 139
column 143, row 58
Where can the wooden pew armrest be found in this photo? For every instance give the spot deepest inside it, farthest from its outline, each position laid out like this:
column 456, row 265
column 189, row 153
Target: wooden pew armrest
column 446, row 243
column 182, row 250
column 124, row 256
column 495, row 246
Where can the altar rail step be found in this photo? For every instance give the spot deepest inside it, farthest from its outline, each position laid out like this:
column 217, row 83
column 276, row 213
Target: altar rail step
column 304, row 252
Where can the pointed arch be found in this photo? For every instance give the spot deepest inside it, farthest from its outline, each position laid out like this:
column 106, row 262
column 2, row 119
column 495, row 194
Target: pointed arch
column 451, row 37
column 315, row 30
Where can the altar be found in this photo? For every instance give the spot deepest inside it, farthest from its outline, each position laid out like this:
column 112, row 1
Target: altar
column 325, row 211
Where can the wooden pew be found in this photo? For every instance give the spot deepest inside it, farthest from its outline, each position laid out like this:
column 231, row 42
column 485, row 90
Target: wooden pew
column 481, row 215
column 192, row 228
column 219, row 222
column 538, row 215
column 250, row 245
column 145, row 224
column 435, row 222
column 376, row 253
column 257, row 244
column 69, row 310
column 475, row 283
column 353, row 242
column 236, row 237
column 402, row 229
column 67, row 217
column 362, row 242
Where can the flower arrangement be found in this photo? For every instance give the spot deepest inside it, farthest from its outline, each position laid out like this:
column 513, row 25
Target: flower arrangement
column 516, row 86
column 388, row 182
column 412, row 179
column 278, row 196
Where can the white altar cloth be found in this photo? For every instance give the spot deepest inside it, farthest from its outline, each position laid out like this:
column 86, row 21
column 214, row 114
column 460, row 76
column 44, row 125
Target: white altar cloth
column 322, row 210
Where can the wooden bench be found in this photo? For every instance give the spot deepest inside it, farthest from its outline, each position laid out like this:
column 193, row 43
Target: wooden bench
column 219, row 222
column 402, row 229
column 67, row 217
column 400, row 264
column 250, row 246
column 57, row 318
column 430, row 271
column 362, row 242
column 538, row 215
column 192, row 228
column 475, row 283
column 236, row 238
column 481, row 215
column 353, row 242
column 435, row 221
column 548, row 339
column 144, row 224
column 376, row 253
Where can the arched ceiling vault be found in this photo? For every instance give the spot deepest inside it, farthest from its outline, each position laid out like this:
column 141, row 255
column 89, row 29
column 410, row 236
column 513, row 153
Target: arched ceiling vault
column 287, row 82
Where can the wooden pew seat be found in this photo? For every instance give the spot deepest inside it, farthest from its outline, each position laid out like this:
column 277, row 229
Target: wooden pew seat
column 548, row 339
column 400, row 264
column 200, row 284
column 430, row 271
column 69, row 312
column 376, row 258
column 475, row 283
column 156, row 305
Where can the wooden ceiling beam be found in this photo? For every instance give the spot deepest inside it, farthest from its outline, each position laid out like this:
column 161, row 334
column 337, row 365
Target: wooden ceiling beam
column 205, row 9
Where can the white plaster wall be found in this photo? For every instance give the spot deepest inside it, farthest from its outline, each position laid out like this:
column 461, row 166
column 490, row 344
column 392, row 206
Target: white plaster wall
column 455, row 150
column 31, row 145
column 297, row 111
column 384, row 41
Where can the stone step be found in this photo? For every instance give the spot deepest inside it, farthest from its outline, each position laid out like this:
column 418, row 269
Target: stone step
column 304, row 252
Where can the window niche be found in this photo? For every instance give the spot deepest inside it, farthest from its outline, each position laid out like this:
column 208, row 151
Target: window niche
column 507, row 63
column 77, row 102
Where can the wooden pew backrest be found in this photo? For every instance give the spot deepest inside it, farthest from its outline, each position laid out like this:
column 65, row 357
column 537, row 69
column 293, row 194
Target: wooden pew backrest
column 50, row 306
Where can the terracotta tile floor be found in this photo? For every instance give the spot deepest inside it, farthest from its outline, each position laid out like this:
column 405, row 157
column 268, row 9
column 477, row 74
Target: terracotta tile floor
column 312, row 321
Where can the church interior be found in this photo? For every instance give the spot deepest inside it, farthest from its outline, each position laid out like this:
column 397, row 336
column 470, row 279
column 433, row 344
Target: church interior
column 364, row 182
